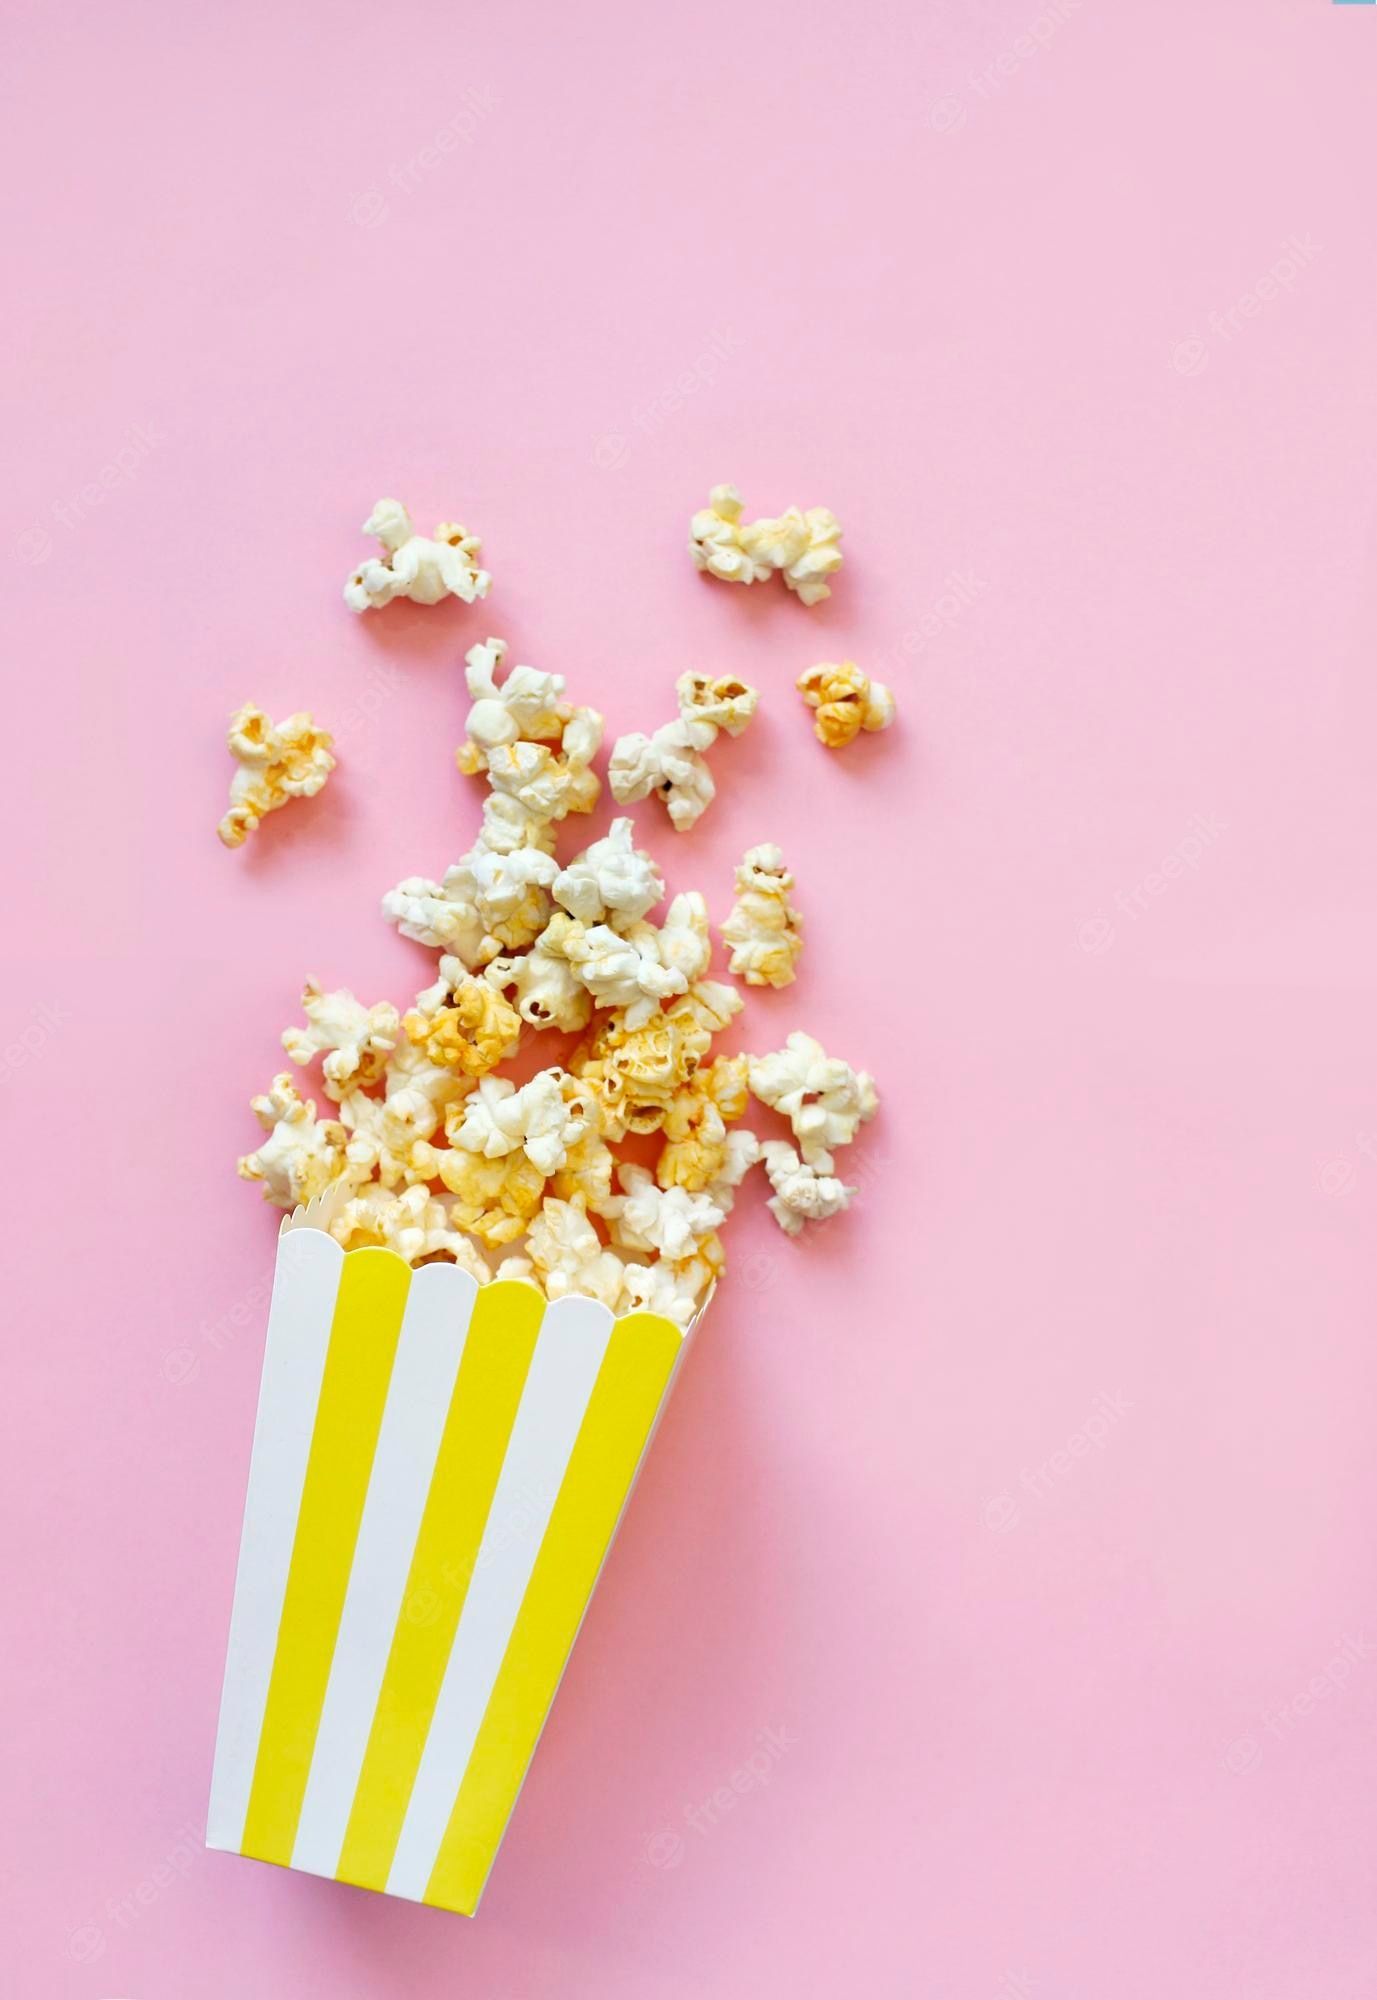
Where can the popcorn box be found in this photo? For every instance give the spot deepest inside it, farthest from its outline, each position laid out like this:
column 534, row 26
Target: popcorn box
column 438, row 1470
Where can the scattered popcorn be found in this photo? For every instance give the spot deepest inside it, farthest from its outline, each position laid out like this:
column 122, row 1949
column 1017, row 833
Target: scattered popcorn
column 434, row 1154
column 846, row 702
column 697, row 1149
column 611, row 882
column 414, row 566
column 499, row 1118
column 804, row 547
column 355, row 1040
column 569, row 1255
column 289, row 760
column 549, row 993
column 623, row 969
column 764, row 930
column 470, row 1036
column 299, row 1158
column 804, row 1191
column 671, row 763
column 484, row 905
column 824, row 1099
column 669, row 1220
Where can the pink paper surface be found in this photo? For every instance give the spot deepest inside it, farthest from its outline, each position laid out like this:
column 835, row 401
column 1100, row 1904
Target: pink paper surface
column 1031, row 1508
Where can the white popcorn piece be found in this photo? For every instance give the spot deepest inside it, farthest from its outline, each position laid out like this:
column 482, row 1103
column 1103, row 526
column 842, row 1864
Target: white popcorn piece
column 485, row 904
column 725, row 703
column 805, row 548
column 542, row 985
column 684, row 941
column 764, row 930
column 675, row 1290
column 804, row 1190
column 415, row 566
column 669, row 1220
column 538, row 1119
column 546, row 784
column 300, row 1157
column 824, row 1099
column 670, row 762
column 355, row 1040
column 277, row 762
column 623, row 969
column 611, row 882
column 666, row 764
column 525, row 704
column 569, row 1256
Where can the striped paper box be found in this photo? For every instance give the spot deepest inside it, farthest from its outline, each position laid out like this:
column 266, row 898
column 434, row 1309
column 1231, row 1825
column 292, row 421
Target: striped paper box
column 437, row 1474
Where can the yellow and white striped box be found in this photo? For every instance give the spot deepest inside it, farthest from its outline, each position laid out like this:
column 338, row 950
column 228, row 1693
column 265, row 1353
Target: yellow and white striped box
column 437, row 1474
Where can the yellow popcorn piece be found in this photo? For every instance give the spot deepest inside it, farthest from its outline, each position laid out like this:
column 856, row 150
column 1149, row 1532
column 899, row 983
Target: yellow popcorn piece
column 415, row 1224
column 494, row 1199
column 471, row 1035
column 764, row 930
column 696, row 1153
column 846, row 702
column 277, row 762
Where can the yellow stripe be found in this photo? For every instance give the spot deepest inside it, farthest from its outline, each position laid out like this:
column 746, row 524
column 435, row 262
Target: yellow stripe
column 630, row 1387
column 492, row 1373
column 363, row 1340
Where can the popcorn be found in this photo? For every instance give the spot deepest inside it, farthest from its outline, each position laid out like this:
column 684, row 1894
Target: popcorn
column 435, row 1155
column 413, row 566
column 511, row 728
column 670, row 763
column 289, row 760
column 803, row 547
column 415, row 1223
column 804, row 1191
column 671, row 1220
column 611, row 882
column 549, row 993
column 846, row 702
column 473, row 1035
column 355, row 1040
column 526, row 704
column 697, row 1152
column 300, row 1158
column 764, row 929
column 499, row 1118
column 672, row 1289
column 623, row 970
column 569, row 1255
column 494, row 1199
column 824, row 1099
column 724, row 704
column 485, row 904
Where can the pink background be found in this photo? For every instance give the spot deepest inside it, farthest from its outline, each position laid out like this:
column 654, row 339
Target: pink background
column 1072, row 1704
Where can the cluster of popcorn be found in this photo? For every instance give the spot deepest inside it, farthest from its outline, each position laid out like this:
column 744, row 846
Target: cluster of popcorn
column 277, row 762
column 803, row 548
column 424, row 568
column 435, row 1155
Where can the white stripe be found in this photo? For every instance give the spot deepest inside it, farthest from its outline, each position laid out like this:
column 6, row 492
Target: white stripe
column 438, row 1310
column 569, row 1350
column 303, row 1304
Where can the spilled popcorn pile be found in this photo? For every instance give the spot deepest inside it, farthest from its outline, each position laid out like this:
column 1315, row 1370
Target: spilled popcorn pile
column 434, row 1155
